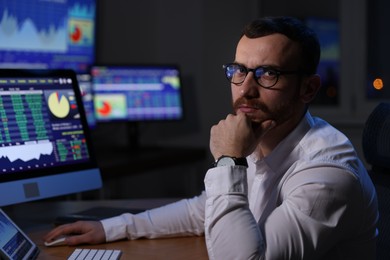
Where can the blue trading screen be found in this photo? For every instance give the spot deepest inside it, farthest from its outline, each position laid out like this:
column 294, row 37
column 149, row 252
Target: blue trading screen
column 47, row 34
column 137, row 93
column 40, row 124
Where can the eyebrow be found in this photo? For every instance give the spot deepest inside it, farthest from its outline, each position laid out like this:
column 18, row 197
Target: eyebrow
column 267, row 66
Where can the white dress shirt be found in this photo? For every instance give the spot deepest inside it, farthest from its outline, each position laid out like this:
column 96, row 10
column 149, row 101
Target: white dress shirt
column 311, row 198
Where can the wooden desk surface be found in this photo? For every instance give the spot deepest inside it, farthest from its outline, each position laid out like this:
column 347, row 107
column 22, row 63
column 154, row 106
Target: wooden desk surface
column 154, row 249
column 29, row 218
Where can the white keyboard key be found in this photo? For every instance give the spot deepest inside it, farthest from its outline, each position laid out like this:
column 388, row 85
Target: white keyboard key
column 91, row 254
column 95, row 254
column 107, row 255
column 115, row 255
column 99, row 254
column 75, row 254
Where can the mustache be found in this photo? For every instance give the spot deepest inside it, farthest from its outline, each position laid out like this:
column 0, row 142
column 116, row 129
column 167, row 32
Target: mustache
column 251, row 103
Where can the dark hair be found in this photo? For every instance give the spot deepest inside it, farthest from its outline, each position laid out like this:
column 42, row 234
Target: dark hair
column 295, row 30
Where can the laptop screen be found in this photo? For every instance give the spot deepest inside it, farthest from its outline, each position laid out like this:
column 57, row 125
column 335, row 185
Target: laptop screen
column 14, row 244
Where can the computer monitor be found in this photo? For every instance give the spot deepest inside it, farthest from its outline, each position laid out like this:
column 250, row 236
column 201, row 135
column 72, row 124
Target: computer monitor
column 50, row 35
column 137, row 93
column 47, row 34
column 45, row 148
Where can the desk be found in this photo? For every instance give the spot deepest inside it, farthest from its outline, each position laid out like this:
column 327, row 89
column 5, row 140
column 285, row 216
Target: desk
column 145, row 249
column 36, row 219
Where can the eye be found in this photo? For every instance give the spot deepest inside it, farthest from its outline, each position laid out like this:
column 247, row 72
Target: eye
column 270, row 73
column 240, row 69
column 237, row 70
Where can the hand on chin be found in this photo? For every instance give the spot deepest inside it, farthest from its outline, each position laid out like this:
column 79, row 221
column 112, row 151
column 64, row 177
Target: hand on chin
column 262, row 127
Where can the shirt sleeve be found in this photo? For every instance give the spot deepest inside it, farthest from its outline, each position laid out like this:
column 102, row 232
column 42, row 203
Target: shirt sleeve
column 182, row 218
column 322, row 209
column 230, row 228
column 318, row 207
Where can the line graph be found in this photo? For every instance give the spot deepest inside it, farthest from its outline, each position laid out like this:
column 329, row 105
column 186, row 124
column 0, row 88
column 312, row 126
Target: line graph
column 27, row 152
column 44, row 33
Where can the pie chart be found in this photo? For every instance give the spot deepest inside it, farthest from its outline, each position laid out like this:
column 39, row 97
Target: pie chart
column 105, row 108
column 58, row 105
column 76, row 34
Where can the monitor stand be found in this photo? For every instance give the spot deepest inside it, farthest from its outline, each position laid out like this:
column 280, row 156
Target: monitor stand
column 133, row 136
column 133, row 141
column 118, row 145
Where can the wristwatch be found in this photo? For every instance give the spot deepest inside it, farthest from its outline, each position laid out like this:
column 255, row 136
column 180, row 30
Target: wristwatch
column 230, row 161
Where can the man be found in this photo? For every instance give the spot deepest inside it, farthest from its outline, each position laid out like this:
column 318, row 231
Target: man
column 285, row 185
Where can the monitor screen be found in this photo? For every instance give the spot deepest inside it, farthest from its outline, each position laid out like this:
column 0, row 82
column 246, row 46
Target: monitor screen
column 137, row 93
column 47, row 34
column 44, row 140
column 50, row 35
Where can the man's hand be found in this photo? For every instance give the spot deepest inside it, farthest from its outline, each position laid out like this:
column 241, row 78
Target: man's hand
column 80, row 232
column 237, row 136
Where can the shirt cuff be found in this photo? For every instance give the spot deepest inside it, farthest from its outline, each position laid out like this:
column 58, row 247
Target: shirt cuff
column 114, row 228
column 226, row 179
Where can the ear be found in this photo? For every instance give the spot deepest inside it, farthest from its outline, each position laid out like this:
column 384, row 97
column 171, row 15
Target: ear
column 310, row 88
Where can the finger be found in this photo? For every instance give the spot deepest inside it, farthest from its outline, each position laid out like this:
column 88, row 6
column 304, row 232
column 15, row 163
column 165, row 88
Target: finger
column 239, row 112
column 56, row 232
column 62, row 230
column 263, row 128
column 268, row 125
column 242, row 116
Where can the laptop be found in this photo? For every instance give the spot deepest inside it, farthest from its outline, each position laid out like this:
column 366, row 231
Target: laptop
column 14, row 243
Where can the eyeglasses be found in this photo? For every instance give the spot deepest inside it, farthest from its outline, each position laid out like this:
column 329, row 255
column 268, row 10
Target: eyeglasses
column 265, row 76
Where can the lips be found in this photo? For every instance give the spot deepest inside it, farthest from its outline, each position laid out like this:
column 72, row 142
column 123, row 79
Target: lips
column 256, row 111
column 247, row 109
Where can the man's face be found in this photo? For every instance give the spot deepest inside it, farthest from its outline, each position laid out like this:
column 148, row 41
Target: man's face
column 282, row 101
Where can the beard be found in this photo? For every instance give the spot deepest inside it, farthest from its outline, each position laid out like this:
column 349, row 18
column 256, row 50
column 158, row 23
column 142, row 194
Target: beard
column 280, row 112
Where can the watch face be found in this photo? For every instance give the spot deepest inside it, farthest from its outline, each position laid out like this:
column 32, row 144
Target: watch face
column 226, row 161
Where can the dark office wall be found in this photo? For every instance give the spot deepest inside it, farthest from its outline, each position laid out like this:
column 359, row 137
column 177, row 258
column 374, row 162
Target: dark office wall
column 200, row 36
column 301, row 8
column 378, row 41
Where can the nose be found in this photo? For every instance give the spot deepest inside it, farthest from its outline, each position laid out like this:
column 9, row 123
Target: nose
column 250, row 88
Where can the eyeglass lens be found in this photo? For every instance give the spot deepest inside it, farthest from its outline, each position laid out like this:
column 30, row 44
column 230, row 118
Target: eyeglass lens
column 236, row 74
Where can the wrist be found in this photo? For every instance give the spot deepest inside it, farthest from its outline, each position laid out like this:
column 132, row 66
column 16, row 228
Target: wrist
column 230, row 161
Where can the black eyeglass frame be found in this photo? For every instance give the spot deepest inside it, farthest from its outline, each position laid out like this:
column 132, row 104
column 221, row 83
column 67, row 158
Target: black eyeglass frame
column 264, row 68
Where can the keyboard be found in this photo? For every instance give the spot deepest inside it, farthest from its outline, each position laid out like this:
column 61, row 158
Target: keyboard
column 95, row 254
